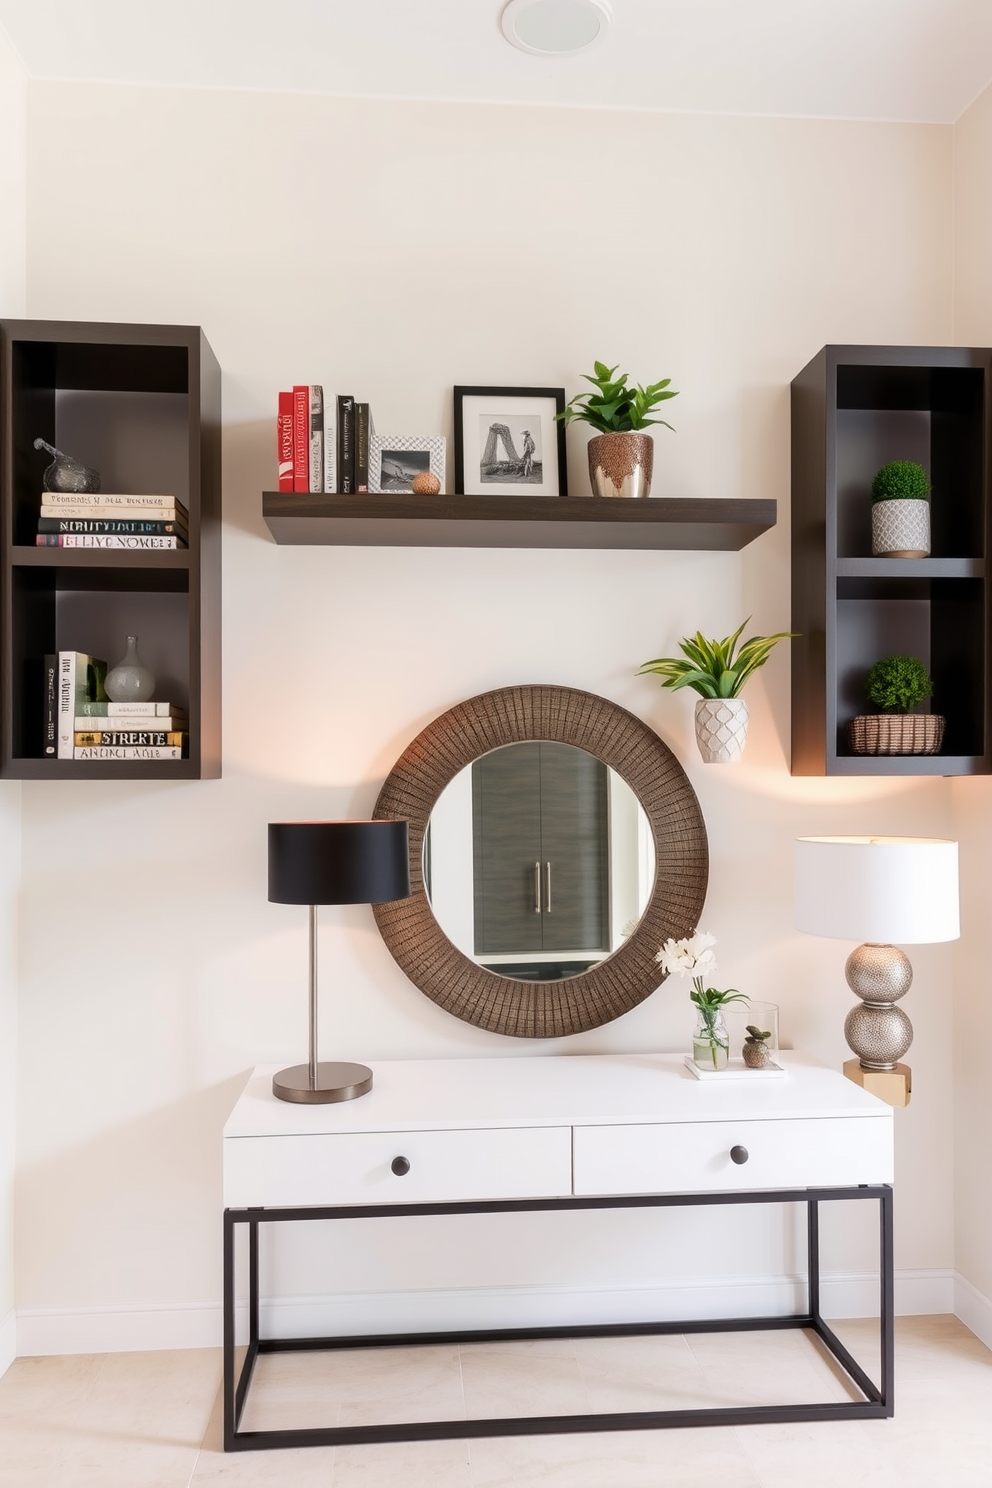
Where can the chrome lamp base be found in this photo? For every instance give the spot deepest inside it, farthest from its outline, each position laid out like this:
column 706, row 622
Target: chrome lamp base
column 333, row 1082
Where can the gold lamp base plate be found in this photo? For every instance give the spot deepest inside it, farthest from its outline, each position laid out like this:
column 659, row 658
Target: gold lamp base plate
column 335, row 1082
column 894, row 1086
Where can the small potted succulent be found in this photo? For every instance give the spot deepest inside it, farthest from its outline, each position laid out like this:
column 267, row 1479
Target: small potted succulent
column 896, row 685
column 717, row 671
column 755, row 1047
column 621, row 456
column 694, row 957
column 900, row 511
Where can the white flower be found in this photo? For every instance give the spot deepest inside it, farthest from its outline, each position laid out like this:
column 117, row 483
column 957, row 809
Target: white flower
column 690, row 957
column 629, row 927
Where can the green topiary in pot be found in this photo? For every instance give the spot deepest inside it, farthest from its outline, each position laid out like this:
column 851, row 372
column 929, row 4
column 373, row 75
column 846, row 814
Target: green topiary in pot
column 901, row 480
column 900, row 511
column 896, row 685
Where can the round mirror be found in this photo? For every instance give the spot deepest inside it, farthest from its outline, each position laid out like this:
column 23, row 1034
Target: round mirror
column 538, row 861
column 651, row 860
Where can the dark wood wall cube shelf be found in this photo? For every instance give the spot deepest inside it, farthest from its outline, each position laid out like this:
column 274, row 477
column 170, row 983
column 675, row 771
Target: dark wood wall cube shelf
column 142, row 405
column 853, row 409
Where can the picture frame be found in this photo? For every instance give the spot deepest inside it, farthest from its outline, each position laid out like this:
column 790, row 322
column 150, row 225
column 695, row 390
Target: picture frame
column 508, row 443
column 390, row 474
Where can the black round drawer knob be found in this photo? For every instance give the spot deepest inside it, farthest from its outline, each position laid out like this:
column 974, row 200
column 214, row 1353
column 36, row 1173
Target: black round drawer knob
column 738, row 1155
column 401, row 1166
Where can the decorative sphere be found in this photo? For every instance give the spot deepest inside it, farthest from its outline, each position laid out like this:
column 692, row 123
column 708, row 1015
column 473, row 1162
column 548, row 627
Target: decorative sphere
column 878, row 973
column 425, row 484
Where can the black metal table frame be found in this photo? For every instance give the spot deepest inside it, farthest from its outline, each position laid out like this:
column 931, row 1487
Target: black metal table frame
column 876, row 1404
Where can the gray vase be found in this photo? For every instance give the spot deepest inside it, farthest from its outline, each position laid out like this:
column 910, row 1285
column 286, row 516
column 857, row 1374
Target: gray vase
column 130, row 681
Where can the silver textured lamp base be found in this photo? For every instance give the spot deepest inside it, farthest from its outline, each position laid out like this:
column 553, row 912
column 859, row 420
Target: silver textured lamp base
column 876, row 1030
column 334, row 1082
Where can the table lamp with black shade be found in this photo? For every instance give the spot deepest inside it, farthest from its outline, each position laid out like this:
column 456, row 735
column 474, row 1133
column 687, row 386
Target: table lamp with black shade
column 336, row 862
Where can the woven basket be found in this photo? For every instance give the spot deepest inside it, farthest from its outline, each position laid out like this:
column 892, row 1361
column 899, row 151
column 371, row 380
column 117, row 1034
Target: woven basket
column 897, row 733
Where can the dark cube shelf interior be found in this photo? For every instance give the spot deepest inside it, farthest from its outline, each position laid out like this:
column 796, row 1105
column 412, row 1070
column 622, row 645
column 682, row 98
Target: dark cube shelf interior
column 141, row 404
column 854, row 409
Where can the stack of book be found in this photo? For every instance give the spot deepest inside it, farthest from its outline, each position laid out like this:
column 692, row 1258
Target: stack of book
column 323, row 447
column 106, row 520
column 80, row 721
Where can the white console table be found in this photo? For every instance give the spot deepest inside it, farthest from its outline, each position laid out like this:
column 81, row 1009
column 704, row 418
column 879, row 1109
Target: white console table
column 569, row 1132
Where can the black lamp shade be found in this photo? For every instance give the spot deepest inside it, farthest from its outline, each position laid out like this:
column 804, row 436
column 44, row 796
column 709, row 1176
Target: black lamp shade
column 339, row 862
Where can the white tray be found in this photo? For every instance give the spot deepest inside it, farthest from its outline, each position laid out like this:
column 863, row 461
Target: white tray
column 737, row 1070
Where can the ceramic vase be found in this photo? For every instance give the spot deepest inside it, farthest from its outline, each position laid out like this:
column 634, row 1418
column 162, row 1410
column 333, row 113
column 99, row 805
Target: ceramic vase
column 621, row 464
column 721, row 729
column 900, row 529
column 130, row 681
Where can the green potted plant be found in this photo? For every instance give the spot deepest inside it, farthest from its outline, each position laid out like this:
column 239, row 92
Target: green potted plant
column 717, row 670
column 900, row 511
column 621, row 455
column 755, row 1047
column 694, row 957
column 896, row 685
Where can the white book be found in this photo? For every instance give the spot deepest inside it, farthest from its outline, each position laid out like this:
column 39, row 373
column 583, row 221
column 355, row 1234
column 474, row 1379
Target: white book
column 127, row 752
column 131, row 710
column 316, row 451
column 74, row 688
column 90, row 499
column 165, row 510
column 117, row 542
column 330, row 447
column 160, row 722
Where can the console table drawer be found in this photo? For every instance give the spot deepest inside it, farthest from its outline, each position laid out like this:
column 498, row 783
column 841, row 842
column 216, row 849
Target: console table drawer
column 697, row 1157
column 356, row 1167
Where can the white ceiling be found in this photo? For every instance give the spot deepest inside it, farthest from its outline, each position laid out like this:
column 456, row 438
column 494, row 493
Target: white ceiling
column 922, row 60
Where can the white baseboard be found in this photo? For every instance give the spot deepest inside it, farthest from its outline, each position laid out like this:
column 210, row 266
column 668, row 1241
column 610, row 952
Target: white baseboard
column 973, row 1308
column 8, row 1341
column 122, row 1330
column 117, row 1330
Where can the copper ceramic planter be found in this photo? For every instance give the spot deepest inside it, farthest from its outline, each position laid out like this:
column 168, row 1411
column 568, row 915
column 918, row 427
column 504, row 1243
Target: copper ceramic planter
column 621, row 464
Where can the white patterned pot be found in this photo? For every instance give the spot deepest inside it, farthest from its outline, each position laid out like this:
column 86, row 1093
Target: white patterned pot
column 721, row 729
column 900, row 529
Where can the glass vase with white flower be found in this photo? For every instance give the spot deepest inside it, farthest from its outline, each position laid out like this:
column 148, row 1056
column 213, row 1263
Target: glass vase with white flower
column 694, row 957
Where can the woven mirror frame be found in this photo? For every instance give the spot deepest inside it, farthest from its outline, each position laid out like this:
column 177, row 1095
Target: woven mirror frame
column 525, row 1009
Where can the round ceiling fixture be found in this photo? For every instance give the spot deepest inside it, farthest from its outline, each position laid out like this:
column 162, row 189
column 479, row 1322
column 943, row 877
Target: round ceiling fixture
column 553, row 28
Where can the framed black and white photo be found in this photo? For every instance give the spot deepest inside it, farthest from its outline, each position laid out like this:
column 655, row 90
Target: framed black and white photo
column 508, row 443
column 394, row 460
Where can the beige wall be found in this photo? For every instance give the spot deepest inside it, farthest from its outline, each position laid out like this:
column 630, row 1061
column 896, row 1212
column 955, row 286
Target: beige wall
column 973, row 798
column 13, row 228
column 393, row 250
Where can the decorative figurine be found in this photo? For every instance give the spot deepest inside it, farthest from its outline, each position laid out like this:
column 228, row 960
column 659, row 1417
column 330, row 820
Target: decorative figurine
column 65, row 473
column 425, row 483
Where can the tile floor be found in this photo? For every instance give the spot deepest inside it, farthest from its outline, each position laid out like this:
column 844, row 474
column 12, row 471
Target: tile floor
column 153, row 1420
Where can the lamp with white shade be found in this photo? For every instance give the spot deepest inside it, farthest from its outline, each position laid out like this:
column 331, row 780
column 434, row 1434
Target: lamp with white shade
column 878, row 890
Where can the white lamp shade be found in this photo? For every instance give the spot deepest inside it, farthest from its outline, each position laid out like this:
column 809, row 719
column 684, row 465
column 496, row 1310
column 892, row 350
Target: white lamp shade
column 892, row 890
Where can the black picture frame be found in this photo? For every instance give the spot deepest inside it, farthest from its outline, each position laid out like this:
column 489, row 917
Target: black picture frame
column 517, row 405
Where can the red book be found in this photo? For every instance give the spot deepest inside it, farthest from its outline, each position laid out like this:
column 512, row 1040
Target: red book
column 301, row 438
column 285, row 441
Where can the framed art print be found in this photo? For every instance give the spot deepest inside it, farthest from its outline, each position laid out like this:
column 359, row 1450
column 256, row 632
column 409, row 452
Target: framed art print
column 508, row 443
column 394, row 460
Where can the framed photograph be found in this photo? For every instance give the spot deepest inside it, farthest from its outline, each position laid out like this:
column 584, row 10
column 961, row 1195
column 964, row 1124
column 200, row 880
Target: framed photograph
column 394, row 460
column 507, row 442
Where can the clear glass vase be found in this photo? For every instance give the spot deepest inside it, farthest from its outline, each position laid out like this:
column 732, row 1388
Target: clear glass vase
column 710, row 1041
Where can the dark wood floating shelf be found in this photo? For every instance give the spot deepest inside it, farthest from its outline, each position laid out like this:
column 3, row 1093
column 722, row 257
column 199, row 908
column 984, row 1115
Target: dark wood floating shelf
column 675, row 523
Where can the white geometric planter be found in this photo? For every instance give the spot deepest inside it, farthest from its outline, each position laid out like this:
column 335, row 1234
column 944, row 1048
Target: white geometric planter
column 721, row 729
column 900, row 529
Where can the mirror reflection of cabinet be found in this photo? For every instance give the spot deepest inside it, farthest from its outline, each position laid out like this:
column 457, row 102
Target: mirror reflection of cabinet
column 540, row 850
